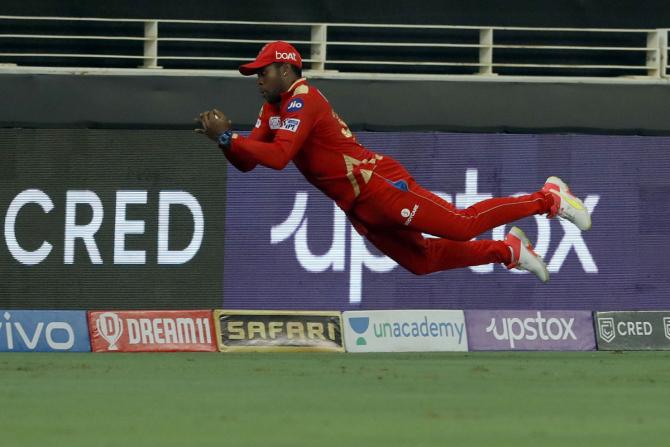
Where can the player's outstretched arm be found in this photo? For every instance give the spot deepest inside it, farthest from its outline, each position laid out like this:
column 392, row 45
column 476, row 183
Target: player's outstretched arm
column 296, row 125
column 215, row 124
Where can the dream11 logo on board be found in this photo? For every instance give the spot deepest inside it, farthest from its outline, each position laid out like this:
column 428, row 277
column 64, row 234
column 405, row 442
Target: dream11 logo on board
column 296, row 227
column 110, row 327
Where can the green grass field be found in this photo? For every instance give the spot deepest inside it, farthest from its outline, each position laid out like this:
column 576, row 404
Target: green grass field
column 469, row 399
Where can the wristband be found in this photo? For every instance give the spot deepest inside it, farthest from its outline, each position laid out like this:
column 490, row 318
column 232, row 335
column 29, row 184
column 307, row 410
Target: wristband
column 224, row 138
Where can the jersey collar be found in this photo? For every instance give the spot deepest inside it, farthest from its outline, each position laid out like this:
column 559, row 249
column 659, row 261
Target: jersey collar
column 292, row 88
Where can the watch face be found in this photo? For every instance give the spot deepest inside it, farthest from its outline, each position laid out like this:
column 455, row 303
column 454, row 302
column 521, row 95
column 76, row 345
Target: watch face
column 224, row 138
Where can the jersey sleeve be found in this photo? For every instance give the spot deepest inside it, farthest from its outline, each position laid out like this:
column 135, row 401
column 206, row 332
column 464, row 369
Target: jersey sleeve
column 298, row 118
column 260, row 132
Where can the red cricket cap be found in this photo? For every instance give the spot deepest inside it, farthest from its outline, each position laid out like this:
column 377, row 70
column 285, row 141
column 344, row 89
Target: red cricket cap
column 272, row 52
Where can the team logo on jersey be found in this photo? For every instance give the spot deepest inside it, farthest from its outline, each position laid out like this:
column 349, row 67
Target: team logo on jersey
column 295, row 105
column 274, row 122
column 290, row 124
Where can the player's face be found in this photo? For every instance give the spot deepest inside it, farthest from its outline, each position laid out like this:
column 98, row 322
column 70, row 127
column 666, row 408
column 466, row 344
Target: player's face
column 270, row 83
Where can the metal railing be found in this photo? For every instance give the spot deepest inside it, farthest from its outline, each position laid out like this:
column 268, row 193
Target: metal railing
column 329, row 48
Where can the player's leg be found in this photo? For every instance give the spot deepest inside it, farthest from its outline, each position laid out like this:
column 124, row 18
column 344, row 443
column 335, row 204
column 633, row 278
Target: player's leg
column 404, row 203
column 465, row 224
column 422, row 256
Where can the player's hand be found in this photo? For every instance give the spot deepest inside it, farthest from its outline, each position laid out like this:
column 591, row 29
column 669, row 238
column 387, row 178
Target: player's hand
column 214, row 123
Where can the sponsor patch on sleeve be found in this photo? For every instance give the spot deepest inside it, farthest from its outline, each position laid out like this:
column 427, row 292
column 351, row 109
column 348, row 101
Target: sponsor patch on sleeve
column 290, row 124
column 258, row 122
column 295, row 105
column 274, row 122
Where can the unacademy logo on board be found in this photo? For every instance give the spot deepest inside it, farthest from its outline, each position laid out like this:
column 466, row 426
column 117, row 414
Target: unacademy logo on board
column 360, row 325
column 410, row 330
column 419, row 329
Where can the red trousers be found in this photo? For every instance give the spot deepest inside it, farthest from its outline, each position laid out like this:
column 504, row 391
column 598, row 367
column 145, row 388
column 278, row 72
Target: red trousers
column 393, row 211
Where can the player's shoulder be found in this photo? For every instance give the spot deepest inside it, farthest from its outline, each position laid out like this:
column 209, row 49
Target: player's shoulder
column 309, row 92
column 304, row 97
column 303, row 89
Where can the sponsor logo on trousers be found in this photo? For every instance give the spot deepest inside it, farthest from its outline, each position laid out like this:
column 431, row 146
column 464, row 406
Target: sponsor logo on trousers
column 405, row 213
column 516, row 329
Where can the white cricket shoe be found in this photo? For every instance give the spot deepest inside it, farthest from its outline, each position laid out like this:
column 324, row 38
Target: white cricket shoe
column 523, row 255
column 569, row 206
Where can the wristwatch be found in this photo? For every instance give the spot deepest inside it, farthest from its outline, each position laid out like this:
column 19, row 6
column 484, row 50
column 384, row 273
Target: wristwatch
column 224, row 138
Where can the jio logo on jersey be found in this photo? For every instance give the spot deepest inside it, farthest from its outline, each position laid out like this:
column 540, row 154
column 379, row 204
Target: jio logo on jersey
column 295, row 105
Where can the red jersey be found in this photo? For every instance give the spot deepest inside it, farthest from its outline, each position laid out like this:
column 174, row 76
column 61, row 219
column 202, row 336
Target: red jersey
column 305, row 129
